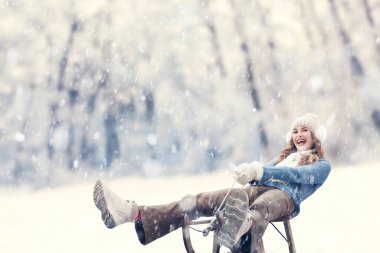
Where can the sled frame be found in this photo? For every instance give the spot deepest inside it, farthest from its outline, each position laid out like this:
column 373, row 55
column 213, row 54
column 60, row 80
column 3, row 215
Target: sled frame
column 187, row 222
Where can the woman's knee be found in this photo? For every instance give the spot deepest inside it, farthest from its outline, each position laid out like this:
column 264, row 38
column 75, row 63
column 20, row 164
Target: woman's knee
column 260, row 211
column 272, row 209
column 188, row 203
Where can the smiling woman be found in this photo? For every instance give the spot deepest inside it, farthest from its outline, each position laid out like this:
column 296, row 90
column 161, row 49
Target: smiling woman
column 306, row 134
column 302, row 138
column 273, row 191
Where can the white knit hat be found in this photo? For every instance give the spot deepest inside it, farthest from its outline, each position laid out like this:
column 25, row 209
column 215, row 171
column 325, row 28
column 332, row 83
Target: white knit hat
column 310, row 121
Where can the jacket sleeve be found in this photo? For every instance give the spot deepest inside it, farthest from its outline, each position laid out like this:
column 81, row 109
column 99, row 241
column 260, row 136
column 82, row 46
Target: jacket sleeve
column 315, row 173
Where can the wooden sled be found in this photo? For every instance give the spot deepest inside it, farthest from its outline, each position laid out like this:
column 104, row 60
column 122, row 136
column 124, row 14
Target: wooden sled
column 187, row 222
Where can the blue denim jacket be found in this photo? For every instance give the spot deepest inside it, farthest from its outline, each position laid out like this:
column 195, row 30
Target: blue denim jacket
column 299, row 182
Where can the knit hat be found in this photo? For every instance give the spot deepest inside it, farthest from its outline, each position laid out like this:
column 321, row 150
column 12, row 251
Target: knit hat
column 310, row 121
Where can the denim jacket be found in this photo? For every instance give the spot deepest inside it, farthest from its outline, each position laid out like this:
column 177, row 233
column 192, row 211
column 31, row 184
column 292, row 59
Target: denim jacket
column 299, row 182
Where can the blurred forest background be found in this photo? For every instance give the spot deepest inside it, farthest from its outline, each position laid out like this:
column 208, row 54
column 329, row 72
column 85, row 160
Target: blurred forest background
column 173, row 87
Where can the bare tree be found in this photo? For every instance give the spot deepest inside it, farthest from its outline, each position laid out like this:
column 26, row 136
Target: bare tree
column 306, row 23
column 22, row 164
column 272, row 46
column 112, row 139
column 355, row 64
column 214, row 38
column 53, row 125
column 249, row 72
column 64, row 60
column 375, row 115
column 87, row 150
column 54, row 107
column 321, row 31
column 375, row 32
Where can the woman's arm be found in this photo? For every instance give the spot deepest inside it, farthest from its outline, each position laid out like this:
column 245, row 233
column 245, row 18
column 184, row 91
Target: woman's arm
column 315, row 173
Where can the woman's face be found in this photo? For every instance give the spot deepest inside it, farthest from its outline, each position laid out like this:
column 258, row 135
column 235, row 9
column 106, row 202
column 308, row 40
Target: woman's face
column 302, row 138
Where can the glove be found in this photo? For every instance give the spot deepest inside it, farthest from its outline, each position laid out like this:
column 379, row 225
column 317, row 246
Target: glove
column 246, row 172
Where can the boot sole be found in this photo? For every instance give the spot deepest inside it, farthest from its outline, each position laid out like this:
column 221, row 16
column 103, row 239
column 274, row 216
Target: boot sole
column 235, row 211
column 101, row 204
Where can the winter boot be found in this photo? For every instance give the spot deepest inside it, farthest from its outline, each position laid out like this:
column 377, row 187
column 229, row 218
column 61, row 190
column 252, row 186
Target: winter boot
column 238, row 219
column 115, row 210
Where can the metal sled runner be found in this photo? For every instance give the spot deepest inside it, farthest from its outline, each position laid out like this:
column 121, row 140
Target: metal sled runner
column 187, row 223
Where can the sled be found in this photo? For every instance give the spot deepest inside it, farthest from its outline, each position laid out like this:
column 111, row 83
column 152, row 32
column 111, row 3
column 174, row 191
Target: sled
column 187, row 223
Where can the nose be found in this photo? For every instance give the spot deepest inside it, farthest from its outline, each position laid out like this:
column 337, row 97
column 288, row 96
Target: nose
column 298, row 134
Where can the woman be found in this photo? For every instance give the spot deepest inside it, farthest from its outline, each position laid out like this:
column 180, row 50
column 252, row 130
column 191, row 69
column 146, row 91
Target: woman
column 275, row 190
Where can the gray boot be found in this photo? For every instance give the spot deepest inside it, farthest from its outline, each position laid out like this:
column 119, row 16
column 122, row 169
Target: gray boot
column 238, row 219
column 114, row 210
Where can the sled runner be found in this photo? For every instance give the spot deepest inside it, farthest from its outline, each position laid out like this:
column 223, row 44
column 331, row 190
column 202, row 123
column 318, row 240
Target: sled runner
column 214, row 225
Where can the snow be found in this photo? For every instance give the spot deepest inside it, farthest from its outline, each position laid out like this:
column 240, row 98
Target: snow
column 342, row 216
column 166, row 82
column 172, row 97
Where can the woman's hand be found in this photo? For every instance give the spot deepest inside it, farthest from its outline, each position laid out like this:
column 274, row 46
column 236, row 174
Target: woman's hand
column 246, row 172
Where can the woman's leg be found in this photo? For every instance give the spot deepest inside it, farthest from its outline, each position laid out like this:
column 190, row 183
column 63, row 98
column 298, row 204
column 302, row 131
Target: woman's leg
column 157, row 221
column 153, row 222
column 269, row 206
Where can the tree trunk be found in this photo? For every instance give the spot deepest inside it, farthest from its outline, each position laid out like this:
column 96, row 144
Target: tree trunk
column 249, row 74
column 375, row 33
column 306, row 24
column 272, row 46
column 54, row 124
column 321, row 31
column 355, row 64
column 149, row 105
column 375, row 115
column 64, row 59
column 214, row 39
column 112, row 140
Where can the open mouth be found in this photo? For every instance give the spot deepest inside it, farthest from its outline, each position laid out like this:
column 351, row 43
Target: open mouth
column 301, row 141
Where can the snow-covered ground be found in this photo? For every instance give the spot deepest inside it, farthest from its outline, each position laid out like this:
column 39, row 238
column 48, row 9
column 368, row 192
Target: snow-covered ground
column 343, row 216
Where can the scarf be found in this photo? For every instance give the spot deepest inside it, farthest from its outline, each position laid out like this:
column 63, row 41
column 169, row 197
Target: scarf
column 293, row 159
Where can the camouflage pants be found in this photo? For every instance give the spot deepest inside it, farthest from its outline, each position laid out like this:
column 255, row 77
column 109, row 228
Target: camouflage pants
column 267, row 204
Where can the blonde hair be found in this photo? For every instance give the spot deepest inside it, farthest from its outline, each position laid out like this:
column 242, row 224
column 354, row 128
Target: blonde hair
column 318, row 152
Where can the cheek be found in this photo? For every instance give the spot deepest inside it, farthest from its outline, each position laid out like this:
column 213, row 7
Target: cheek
column 310, row 140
